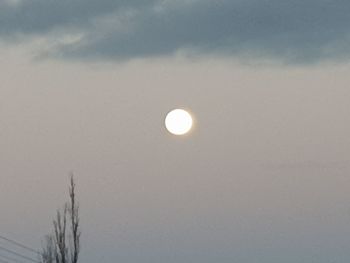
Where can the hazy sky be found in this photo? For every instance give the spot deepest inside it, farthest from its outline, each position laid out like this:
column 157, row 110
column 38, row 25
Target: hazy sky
column 264, row 176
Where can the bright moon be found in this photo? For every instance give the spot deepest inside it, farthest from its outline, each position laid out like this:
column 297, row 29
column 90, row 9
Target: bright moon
column 178, row 122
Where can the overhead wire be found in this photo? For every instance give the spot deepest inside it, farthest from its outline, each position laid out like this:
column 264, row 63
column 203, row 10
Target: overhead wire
column 10, row 259
column 4, row 261
column 18, row 254
column 19, row 244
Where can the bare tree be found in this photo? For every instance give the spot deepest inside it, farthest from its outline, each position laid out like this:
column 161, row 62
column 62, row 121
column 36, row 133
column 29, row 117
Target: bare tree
column 60, row 246
column 49, row 251
column 74, row 220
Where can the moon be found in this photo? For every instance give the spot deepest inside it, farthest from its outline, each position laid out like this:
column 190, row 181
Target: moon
column 178, row 122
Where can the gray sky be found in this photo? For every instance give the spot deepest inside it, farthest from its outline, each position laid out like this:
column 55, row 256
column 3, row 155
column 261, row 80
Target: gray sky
column 264, row 177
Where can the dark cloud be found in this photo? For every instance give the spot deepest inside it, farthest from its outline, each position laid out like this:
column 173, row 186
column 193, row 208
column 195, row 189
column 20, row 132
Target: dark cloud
column 42, row 16
column 294, row 31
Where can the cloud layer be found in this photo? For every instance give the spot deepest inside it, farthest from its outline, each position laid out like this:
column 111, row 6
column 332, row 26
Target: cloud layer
column 298, row 31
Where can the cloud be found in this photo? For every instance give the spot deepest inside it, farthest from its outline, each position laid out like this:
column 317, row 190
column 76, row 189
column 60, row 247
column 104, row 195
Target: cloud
column 298, row 31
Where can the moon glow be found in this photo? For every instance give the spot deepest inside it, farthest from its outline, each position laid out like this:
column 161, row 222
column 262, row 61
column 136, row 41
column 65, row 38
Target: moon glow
column 178, row 122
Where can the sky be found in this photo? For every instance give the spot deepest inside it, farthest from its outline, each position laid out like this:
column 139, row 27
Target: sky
column 262, row 178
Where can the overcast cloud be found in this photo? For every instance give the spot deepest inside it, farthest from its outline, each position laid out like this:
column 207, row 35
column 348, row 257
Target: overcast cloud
column 298, row 31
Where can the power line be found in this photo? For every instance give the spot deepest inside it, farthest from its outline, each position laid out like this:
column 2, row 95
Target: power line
column 10, row 259
column 19, row 244
column 18, row 254
column 4, row 261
